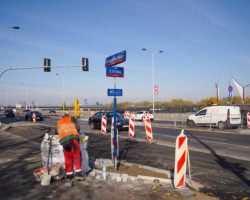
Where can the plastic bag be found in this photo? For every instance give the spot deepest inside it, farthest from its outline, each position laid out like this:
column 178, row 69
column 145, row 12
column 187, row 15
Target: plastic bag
column 83, row 142
column 56, row 155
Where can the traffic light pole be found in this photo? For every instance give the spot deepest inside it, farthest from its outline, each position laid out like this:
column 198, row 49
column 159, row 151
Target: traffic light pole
column 20, row 68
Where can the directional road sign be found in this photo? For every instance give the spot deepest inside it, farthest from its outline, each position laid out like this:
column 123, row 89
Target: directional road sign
column 115, row 71
column 114, row 92
column 115, row 59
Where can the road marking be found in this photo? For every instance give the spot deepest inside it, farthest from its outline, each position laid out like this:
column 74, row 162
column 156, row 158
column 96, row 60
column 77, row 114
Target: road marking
column 211, row 137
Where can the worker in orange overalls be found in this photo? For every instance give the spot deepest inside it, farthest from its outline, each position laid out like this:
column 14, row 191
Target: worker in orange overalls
column 68, row 128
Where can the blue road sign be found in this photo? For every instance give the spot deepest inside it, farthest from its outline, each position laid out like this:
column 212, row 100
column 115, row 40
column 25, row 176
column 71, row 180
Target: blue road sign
column 114, row 92
column 115, row 71
column 230, row 94
column 97, row 103
column 85, row 101
column 115, row 59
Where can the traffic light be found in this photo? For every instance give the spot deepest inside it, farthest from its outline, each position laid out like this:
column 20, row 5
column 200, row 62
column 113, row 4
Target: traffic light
column 47, row 64
column 85, row 64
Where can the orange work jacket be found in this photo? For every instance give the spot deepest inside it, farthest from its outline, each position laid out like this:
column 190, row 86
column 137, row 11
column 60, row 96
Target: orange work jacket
column 66, row 129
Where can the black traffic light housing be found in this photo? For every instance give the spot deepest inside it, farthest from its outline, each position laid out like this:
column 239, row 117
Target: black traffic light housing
column 47, row 64
column 85, row 64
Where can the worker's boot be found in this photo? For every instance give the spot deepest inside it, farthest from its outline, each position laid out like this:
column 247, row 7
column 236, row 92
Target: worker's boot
column 69, row 181
column 79, row 176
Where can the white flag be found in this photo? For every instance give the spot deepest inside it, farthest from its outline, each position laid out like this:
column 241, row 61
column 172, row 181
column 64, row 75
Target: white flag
column 239, row 87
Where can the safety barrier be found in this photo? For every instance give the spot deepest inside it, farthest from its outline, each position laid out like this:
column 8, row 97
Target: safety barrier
column 180, row 160
column 248, row 120
column 149, row 134
column 17, row 116
column 104, row 124
column 131, row 132
column 92, row 113
column 34, row 117
column 127, row 114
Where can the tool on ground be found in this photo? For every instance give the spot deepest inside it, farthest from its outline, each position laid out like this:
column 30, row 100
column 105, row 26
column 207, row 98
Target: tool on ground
column 57, row 171
column 38, row 173
column 47, row 177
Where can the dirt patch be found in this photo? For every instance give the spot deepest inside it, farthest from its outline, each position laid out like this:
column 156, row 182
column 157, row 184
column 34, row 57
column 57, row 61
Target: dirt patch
column 135, row 170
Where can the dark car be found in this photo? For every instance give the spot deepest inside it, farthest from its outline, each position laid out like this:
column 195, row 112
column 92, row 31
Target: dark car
column 95, row 121
column 9, row 113
column 52, row 111
column 26, row 110
column 29, row 115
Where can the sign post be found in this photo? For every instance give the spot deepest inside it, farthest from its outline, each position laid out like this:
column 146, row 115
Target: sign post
column 115, row 72
column 230, row 90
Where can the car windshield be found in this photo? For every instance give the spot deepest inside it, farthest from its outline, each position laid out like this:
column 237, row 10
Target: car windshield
column 111, row 114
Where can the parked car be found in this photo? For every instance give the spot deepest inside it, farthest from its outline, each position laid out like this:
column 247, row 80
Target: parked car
column 26, row 110
column 220, row 116
column 29, row 115
column 9, row 112
column 95, row 121
column 139, row 115
column 52, row 111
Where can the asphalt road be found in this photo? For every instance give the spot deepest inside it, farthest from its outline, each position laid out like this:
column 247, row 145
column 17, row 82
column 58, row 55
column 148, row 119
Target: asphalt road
column 219, row 160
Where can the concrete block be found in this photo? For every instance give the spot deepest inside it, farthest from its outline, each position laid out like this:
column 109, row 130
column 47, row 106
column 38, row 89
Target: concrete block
column 133, row 178
column 92, row 174
column 98, row 177
column 140, row 180
column 118, row 179
column 124, row 179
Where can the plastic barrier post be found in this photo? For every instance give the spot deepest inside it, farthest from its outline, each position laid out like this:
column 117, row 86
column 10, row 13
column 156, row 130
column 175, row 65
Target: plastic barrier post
column 104, row 124
column 17, row 117
column 34, row 117
column 92, row 113
column 248, row 120
column 149, row 134
column 180, row 160
column 131, row 132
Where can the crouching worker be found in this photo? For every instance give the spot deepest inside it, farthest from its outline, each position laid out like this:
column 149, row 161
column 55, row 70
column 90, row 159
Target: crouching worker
column 68, row 128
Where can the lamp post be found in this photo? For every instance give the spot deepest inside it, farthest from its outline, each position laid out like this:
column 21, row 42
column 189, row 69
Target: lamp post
column 63, row 89
column 14, row 27
column 26, row 97
column 153, row 54
column 244, row 92
column 5, row 98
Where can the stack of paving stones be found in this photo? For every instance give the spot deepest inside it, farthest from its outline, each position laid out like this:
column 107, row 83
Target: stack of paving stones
column 100, row 163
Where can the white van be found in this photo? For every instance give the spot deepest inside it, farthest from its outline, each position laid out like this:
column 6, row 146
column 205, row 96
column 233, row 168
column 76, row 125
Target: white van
column 219, row 116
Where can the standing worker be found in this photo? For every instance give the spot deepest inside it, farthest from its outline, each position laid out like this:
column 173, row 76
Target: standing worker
column 68, row 128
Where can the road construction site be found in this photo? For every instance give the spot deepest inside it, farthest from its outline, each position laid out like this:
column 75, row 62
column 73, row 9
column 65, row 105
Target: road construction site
column 214, row 175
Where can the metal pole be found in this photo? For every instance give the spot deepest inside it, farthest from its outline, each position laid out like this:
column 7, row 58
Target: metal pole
column 63, row 94
column 6, row 99
column 153, row 82
column 26, row 105
column 115, row 131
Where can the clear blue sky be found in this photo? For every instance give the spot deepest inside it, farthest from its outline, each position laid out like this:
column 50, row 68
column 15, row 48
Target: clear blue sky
column 203, row 41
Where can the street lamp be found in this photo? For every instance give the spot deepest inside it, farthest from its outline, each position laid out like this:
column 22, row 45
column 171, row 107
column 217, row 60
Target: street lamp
column 5, row 98
column 153, row 53
column 63, row 89
column 14, row 27
column 26, row 95
column 244, row 92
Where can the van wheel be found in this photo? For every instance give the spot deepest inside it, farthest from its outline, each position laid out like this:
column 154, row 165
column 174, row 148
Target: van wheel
column 92, row 126
column 221, row 125
column 191, row 123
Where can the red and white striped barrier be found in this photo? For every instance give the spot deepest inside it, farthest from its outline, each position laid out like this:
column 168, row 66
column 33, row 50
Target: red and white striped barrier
column 131, row 132
column 127, row 114
column 148, row 128
column 113, row 141
column 17, row 116
column 180, row 160
column 248, row 120
column 34, row 117
column 104, row 124
column 92, row 113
